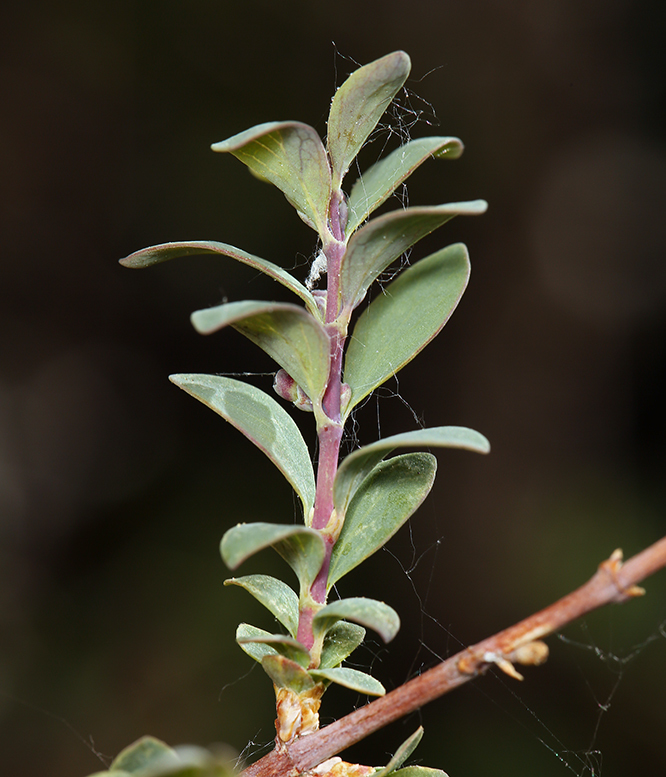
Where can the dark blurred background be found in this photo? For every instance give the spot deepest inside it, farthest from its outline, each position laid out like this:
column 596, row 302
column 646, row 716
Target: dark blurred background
column 115, row 487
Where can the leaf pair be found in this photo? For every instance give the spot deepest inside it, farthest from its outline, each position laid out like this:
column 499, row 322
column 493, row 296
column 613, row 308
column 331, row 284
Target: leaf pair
column 399, row 485
column 394, row 328
column 338, row 627
column 292, row 157
column 287, row 662
column 291, row 154
column 282, row 602
column 286, row 665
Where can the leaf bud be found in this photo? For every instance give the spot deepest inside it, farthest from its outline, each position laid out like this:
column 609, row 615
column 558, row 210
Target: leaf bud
column 287, row 388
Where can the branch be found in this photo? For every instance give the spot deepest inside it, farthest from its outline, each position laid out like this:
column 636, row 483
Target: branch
column 614, row 582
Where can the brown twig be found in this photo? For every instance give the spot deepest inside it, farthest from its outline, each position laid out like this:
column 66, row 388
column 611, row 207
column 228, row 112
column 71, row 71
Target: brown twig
column 614, row 582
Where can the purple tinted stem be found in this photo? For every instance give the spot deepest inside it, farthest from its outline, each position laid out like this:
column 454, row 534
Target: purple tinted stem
column 330, row 432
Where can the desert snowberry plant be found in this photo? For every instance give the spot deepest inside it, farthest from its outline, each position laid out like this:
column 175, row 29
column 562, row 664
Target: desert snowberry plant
column 327, row 364
column 350, row 509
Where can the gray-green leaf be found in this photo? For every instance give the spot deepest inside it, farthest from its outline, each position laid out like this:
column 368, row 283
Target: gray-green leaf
column 289, row 334
column 350, row 678
column 381, row 241
column 256, row 650
column 340, row 642
column 358, row 465
column 404, row 319
column 380, row 181
column 368, row 612
column 290, row 155
column 359, row 104
column 382, row 503
column 275, row 595
column 282, row 644
column 263, row 421
column 419, row 771
column 287, row 674
column 302, row 548
column 142, row 754
column 402, row 753
column 162, row 253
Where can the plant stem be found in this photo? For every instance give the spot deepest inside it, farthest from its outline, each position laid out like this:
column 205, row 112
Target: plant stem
column 330, row 427
column 614, row 582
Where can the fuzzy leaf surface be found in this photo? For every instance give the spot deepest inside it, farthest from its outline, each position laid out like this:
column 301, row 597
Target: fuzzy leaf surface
column 358, row 465
column 289, row 334
column 287, row 646
column 341, row 641
column 350, row 678
column 287, row 674
column 377, row 184
column 359, row 104
column 263, row 421
column 404, row 319
column 402, row 753
column 291, row 156
column 142, row 754
column 256, row 650
column 276, row 596
column 381, row 241
column 419, row 771
column 302, row 548
column 367, row 612
column 162, row 253
column 382, row 503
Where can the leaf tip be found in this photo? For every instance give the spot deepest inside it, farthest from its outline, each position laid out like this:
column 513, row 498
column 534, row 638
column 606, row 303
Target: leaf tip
column 452, row 150
column 400, row 60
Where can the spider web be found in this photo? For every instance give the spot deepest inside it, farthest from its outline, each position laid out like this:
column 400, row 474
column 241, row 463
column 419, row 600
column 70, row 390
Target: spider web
column 601, row 673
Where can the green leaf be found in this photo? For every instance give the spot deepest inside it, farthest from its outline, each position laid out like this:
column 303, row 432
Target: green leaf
column 143, row 754
column 383, row 178
column 287, row 674
column 263, row 421
column 166, row 251
column 419, row 771
column 358, row 465
column 289, row 334
column 359, row 104
column 287, row 646
column 291, row 156
column 404, row 319
column 275, row 595
column 302, row 548
column 368, row 612
column 382, row 503
column 340, row 642
column 402, row 753
column 381, row 241
column 256, row 650
column 350, row 678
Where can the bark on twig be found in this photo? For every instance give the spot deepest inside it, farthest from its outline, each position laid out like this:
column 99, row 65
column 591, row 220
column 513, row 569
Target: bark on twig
column 614, row 582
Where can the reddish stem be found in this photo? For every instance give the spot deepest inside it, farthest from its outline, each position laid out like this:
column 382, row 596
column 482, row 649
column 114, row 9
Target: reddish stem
column 330, row 431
